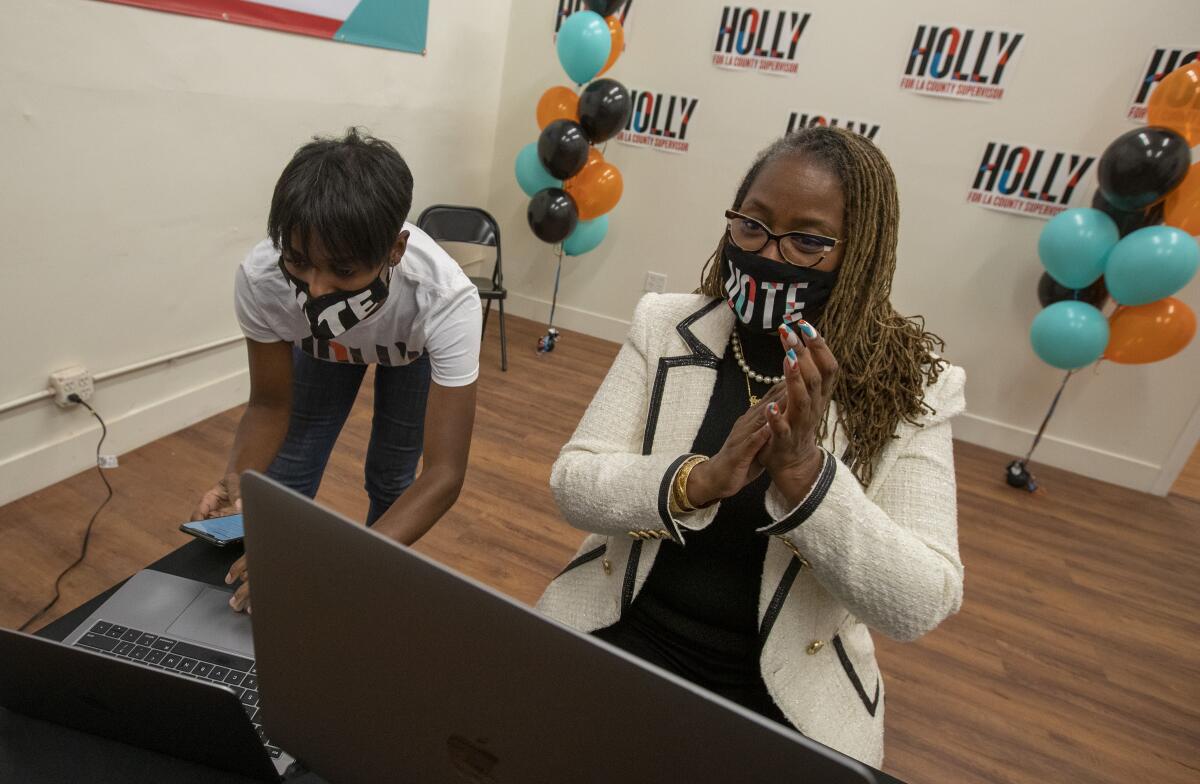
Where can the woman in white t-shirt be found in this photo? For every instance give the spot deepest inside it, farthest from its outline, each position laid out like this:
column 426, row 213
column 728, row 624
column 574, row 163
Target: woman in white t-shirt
column 343, row 282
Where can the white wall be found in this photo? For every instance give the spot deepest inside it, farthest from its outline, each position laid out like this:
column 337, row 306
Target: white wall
column 971, row 271
column 140, row 149
column 139, row 153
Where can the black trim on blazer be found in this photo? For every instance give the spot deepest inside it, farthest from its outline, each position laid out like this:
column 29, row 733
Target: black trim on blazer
column 815, row 496
column 590, row 555
column 635, row 555
column 781, row 592
column 664, row 498
column 871, row 706
column 700, row 356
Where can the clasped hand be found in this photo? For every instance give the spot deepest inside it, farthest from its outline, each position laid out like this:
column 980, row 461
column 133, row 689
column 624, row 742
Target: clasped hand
column 779, row 433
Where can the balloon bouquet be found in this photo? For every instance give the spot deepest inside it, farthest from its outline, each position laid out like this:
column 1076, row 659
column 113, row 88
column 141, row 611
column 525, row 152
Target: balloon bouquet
column 1117, row 249
column 571, row 184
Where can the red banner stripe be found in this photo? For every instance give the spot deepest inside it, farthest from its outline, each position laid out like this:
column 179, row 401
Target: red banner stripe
column 244, row 12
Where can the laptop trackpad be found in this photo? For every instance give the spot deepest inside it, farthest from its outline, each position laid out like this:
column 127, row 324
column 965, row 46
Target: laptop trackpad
column 211, row 621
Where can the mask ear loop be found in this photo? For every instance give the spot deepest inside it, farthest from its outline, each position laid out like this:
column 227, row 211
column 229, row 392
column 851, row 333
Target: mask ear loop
column 390, row 266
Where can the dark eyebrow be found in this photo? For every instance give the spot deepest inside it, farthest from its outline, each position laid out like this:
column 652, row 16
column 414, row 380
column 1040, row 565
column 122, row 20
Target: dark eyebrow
column 760, row 208
column 810, row 225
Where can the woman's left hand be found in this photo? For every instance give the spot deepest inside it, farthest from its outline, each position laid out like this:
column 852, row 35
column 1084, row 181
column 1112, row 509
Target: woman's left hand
column 792, row 456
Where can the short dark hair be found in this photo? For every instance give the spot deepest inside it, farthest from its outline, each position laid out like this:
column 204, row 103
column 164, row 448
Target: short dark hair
column 353, row 193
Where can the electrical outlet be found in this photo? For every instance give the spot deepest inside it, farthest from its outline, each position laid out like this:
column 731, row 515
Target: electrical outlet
column 656, row 282
column 74, row 380
column 107, row 461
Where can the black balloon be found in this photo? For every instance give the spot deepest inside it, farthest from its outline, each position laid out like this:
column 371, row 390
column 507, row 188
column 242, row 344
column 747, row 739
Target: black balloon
column 1142, row 166
column 604, row 108
column 563, row 148
column 1129, row 221
column 605, row 7
column 552, row 215
column 1051, row 291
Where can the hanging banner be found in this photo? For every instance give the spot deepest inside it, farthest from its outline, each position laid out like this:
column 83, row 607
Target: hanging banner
column 1028, row 180
column 659, row 120
column 759, row 39
column 951, row 61
column 797, row 120
column 1162, row 61
column 389, row 24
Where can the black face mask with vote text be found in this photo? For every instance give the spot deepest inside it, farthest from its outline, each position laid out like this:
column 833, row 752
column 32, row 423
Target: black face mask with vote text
column 329, row 315
column 766, row 294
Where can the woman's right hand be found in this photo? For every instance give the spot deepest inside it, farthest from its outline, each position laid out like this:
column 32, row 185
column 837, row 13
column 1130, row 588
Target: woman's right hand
column 225, row 498
column 736, row 465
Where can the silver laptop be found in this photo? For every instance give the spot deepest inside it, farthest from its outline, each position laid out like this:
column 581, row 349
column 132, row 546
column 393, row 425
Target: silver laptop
column 380, row 664
column 139, row 706
column 185, row 627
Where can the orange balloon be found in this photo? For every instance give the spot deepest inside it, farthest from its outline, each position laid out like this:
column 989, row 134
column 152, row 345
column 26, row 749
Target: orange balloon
column 618, row 42
column 595, row 157
column 1175, row 102
column 557, row 103
column 1148, row 333
column 597, row 187
column 1182, row 209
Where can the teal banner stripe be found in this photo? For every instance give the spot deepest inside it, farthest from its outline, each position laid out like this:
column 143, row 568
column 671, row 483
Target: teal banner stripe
column 390, row 24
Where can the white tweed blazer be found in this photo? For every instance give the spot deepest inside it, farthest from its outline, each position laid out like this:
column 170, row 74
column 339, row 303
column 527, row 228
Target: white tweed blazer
column 848, row 559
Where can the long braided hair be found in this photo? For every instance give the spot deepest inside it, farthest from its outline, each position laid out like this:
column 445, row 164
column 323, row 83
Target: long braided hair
column 885, row 359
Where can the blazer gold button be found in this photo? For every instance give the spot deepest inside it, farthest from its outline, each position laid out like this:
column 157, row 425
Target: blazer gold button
column 815, row 646
column 607, row 566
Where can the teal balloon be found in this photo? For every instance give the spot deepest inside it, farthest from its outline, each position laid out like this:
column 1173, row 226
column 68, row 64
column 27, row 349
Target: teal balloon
column 531, row 174
column 584, row 43
column 1150, row 264
column 1069, row 335
column 1075, row 244
column 587, row 236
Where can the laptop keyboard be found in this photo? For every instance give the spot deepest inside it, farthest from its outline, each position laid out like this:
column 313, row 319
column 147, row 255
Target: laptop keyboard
column 236, row 673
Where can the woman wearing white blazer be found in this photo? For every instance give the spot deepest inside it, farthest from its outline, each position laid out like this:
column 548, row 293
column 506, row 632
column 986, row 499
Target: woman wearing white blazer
column 766, row 472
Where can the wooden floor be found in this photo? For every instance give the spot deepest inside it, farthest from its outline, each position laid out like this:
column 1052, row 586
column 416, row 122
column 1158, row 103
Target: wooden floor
column 1188, row 483
column 1075, row 658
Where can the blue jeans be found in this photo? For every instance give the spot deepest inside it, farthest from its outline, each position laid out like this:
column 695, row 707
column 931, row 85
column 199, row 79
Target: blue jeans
column 323, row 394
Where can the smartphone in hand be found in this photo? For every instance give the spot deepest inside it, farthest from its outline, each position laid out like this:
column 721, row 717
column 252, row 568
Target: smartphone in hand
column 216, row 530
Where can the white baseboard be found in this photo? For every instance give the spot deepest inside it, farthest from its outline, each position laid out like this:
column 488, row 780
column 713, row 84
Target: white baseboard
column 1060, row 453
column 47, row 463
column 1181, row 452
column 577, row 319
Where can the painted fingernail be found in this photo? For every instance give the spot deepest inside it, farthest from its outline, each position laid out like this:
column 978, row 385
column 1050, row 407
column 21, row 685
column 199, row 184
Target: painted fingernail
column 791, row 355
column 773, row 408
column 789, row 335
column 808, row 329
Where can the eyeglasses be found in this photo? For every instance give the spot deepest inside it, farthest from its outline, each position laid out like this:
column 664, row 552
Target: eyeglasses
column 796, row 247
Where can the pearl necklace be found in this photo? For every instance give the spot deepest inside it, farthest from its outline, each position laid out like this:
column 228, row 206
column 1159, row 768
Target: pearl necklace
column 741, row 360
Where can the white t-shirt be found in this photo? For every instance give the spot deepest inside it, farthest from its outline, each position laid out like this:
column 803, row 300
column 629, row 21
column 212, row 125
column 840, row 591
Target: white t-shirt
column 431, row 307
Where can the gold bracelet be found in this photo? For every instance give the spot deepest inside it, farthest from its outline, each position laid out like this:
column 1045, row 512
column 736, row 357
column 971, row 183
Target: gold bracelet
column 679, row 496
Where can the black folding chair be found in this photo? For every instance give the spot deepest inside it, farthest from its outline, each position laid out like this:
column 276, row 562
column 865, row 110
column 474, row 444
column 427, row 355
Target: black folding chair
column 446, row 222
